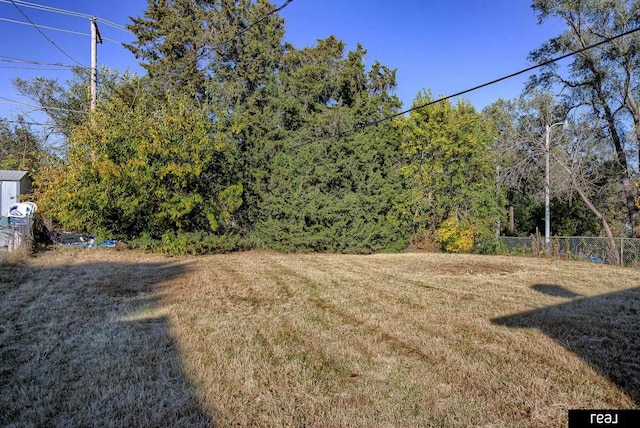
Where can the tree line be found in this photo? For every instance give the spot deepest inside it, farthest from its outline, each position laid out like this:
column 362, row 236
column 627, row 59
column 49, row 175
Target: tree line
column 234, row 138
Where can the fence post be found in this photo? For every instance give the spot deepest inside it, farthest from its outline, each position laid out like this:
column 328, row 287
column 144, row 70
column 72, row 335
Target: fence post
column 621, row 251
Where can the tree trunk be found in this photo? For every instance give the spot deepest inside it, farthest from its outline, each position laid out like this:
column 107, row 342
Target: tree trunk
column 630, row 191
column 612, row 250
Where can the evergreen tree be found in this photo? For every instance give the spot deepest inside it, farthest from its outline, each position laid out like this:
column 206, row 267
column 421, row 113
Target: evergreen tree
column 171, row 40
column 219, row 137
column 327, row 190
column 213, row 51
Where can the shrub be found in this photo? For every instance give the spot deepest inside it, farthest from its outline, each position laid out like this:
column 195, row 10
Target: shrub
column 425, row 240
column 492, row 245
column 190, row 243
column 454, row 237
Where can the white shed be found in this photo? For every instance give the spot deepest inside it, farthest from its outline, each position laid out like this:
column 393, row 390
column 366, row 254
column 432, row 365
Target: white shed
column 12, row 185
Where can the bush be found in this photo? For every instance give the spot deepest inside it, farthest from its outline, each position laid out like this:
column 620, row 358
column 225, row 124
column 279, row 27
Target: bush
column 425, row 240
column 490, row 246
column 190, row 243
column 455, row 237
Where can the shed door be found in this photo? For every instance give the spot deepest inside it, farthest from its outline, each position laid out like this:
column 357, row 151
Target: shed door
column 8, row 196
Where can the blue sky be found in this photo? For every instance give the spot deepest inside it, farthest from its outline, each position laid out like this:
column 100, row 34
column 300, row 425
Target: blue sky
column 443, row 45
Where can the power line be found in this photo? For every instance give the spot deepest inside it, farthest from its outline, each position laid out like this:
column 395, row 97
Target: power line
column 56, row 29
column 27, row 123
column 43, row 35
column 106, row 22
column 41, row 26
column 4, row 67
column 43, row 7
column 241, row 32
column 66, row 12
column 27, row 61
column 362, row 126
column 4, row 100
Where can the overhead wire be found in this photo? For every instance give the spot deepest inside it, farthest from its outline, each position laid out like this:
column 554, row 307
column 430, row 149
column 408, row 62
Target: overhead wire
column 57, row 29
column 44, row 7
column 41, row 26
column 362, row 126
column 4, row 100
column 66, row 12
column 37, row 6
column 18, row 122
column 20, row 3
column 13, row 60
column 253, row 24
column 5, row 67
column 43, row 34
column 243, row 31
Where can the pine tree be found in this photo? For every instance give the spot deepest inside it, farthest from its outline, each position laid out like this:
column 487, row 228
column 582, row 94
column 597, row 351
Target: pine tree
column 327, row 188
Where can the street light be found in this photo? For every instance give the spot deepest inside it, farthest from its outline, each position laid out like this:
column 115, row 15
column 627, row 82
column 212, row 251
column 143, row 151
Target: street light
column 547, row 189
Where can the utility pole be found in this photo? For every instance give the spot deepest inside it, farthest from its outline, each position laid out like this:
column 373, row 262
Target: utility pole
column 498, row 225
column 547, row 186
column 547, row 191
column 95, row 39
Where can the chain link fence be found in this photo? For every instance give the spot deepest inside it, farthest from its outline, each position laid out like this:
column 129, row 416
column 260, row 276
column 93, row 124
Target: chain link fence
column 623, row 251
column 15, row 231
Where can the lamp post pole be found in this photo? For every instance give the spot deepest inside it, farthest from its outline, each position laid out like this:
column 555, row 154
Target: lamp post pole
column 547, row 188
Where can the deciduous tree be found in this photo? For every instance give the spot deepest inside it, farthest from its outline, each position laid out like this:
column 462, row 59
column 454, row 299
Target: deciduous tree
column 20, row 147
column 450, row 167
column 143, row 167
column 605, row 78
column 580, row 160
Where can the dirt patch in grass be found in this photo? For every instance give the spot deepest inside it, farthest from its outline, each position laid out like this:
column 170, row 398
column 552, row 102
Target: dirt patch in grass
column 265, row 339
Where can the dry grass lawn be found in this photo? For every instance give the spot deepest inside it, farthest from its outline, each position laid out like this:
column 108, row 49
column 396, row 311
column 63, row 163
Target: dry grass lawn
column 98, row 337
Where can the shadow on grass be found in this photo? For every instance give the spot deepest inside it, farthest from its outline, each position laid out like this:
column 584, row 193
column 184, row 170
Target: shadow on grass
column 603, row 330
column 555, row 290
column 88, row 344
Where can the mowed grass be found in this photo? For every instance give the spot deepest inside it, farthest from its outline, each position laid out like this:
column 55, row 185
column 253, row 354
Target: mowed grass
column 97, row 337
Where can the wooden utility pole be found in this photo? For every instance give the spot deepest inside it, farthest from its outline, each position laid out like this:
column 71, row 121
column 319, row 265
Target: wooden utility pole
column 95, row 39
